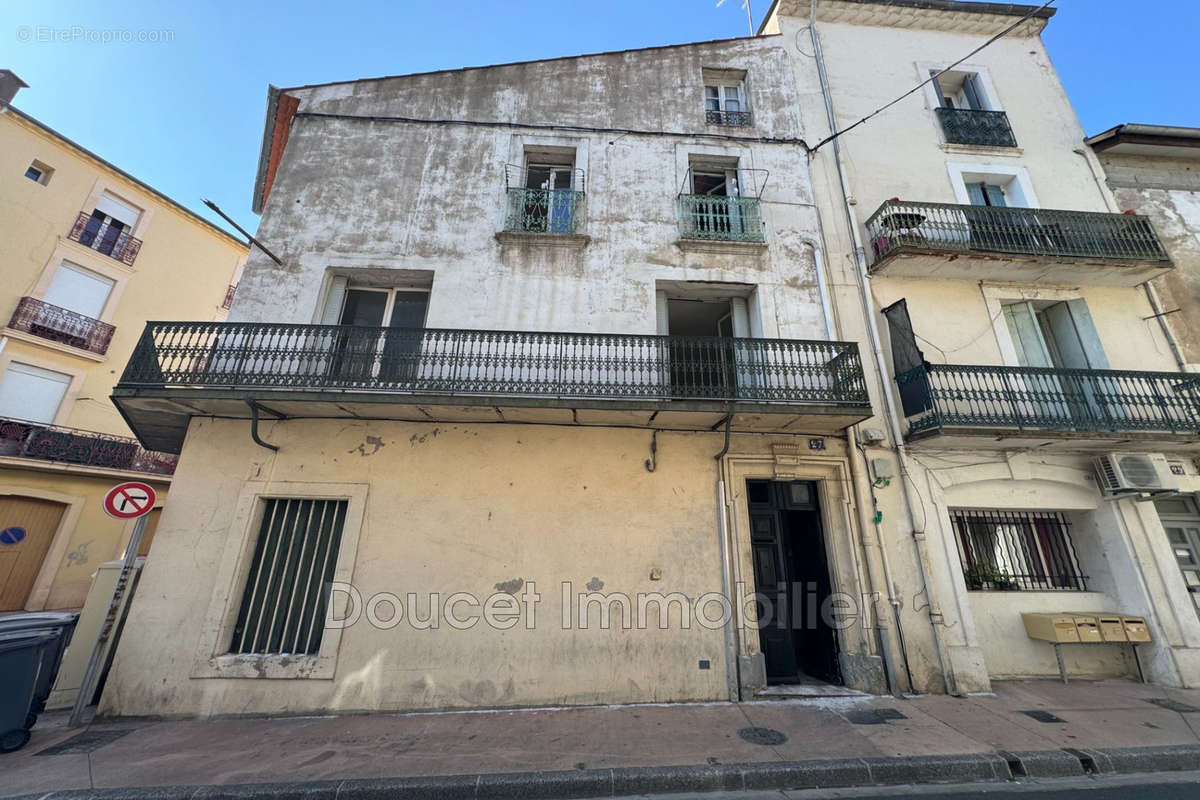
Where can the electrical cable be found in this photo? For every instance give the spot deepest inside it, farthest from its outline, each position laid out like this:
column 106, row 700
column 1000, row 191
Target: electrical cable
column 935, row 76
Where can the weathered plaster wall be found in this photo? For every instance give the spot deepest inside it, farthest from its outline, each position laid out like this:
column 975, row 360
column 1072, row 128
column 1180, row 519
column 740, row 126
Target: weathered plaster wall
column 449, row 508
column 353, row 194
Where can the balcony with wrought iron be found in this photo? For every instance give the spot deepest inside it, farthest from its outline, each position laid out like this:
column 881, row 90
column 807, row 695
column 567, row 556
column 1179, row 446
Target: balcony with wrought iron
column 737, row 119
column 1029, row 245
column 718, row 218
column 113, row 242
column 978, row 128
column 55, row 324
column 69, row 446
column 548, row 211
column 238, row 370
column 994, row 407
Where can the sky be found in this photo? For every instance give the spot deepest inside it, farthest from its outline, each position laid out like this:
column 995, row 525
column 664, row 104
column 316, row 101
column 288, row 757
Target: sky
column 179, row 99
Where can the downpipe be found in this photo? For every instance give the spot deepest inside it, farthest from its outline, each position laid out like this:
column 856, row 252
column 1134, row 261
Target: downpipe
column 936, row 619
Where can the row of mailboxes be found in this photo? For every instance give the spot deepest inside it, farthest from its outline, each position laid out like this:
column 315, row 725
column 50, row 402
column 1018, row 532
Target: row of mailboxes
column 1085, row 627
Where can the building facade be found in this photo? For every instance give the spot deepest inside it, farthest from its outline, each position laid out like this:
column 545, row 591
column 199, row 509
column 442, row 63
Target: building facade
column 1017, row 344
column 89, row 253
column 529, row 384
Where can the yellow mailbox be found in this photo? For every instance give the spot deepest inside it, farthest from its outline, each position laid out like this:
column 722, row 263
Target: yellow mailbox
column 1136, row 629
column 1112, row 628
column 1089, row 629
column 1051, row 627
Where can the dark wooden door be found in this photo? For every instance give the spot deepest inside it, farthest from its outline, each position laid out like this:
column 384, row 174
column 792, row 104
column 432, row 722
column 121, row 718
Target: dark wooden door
column 773, row 584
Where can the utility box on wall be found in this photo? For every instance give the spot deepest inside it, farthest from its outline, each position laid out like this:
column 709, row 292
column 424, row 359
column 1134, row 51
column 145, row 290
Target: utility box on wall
column 1051, row 627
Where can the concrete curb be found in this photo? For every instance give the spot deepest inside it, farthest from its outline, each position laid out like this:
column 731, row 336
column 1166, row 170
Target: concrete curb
column 825, row 774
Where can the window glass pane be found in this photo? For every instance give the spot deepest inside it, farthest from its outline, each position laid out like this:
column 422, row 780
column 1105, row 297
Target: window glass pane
column 363, row 307
column 79, row 290
column 34, row 174
column 32, row 393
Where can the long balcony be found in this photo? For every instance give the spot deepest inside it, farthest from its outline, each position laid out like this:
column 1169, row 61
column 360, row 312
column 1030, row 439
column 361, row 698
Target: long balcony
column 33, row 440
column 185, row 368
column 721, row 219
column 979, row 128
column 102, row 237
column 56, row 324
column 1030, row 245
column 553, row 211
column 985, row 406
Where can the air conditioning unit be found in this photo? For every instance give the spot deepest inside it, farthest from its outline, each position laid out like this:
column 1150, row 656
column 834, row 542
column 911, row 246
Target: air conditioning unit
column 1122, row 474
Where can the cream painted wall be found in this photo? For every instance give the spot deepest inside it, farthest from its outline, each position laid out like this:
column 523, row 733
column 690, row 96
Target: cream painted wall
column 449, row 508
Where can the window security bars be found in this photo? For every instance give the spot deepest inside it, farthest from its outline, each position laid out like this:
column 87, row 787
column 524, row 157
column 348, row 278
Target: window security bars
column 490, row 363
column 60, row 325
column 984, row 128
column 287, row 588
column 721, row 218
column 1047, row 398
column 70, row 446
column 1017, row 550
column 941, row 227
column 109, row 240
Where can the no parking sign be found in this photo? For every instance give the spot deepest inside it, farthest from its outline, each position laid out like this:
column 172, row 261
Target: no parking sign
column 129, row 500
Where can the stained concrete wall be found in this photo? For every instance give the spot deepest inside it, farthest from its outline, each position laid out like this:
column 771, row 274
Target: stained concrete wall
column 1168, row 191
column 355, row 194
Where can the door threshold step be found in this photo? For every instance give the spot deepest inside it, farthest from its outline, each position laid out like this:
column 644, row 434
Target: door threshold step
column 809, row 690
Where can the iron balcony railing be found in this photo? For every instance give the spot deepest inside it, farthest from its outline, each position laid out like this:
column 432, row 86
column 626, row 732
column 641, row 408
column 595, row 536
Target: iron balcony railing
column 1048, row 399
column 720, row 218
column 941, row 227
column 495, row 363
column 60, row 325
column 97, row 234
column 34, row 440
column 735, row 118
column 544, row 211
column 967, row 126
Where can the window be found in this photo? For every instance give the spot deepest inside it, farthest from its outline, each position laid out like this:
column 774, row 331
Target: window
column 391, row 353
column 110, row 226
column 1016, row 550
column 961, row 90
column 39, row 173
column 1058, row 334
column 968, row 113
column 725, row 104
column 80, row 290
column 32, row 393
column 545, row 194
column 283, row 602
column 720, row 201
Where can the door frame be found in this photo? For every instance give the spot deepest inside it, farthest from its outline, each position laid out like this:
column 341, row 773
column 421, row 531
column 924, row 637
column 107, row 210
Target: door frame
column 843, row 550
column 1176, row 520
column 44, row 581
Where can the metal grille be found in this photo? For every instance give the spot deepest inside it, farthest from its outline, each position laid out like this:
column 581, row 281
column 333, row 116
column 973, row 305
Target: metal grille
column 22, row 439
column 1015, row 550
column 944, row 227
column 737, row 118
column 720, row 218
column 286, row 592
column 60, row 325
column 91, row 232
column 544, row 210
column 968, row 126
column 489, row 363
column 1046, row 398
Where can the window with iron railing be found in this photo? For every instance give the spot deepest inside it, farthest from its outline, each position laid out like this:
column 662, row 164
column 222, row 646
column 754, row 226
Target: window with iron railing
column 544, row 197
column 284, row 600
column 1017, row 550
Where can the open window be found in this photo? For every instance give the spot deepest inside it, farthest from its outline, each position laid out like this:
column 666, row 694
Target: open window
column 720, row 200
column 968, row 111
column 546, row 193
column 109, row 228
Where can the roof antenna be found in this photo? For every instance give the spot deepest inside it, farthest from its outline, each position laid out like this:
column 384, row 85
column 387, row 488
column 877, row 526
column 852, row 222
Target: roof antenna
column 749, row 14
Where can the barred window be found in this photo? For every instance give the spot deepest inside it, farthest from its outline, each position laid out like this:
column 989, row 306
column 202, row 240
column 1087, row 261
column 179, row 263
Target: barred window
column 287, row 587
column 1015, row 550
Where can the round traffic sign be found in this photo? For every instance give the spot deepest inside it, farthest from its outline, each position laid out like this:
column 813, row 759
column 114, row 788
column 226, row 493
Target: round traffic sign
column 129, row 500
column 12, row 535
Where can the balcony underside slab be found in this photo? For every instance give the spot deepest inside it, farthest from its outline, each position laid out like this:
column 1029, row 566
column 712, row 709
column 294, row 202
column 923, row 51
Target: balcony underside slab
column 918, row 262
column 960, row 438
column 160, row 417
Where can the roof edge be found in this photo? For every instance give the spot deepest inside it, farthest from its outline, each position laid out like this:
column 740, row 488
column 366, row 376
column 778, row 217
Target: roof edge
column 264, row 149
column 1140, row 133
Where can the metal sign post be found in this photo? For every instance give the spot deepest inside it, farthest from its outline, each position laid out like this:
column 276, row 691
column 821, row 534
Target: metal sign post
column 119, row 505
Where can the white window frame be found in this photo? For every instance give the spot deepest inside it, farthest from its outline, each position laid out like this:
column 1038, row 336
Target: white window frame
column 1018, row 188
column 927, row 69
column 212, row 658
column 722, row 99
column 996, row 297
column 34, row 370
column 70, row 266
column 31, row 359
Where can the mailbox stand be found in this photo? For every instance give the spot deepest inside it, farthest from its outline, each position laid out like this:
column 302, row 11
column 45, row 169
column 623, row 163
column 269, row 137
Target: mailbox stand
column 1076, row 627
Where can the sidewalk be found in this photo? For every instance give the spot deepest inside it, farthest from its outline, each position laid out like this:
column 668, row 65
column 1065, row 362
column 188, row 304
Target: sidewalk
column 597, row 741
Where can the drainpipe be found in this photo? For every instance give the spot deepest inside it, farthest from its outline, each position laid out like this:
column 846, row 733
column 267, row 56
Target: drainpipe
column 732, row 677
column 1151, row 294
column 936, row 619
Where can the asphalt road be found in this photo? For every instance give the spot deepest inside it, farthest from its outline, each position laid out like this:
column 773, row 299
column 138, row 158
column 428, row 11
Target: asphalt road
column 1158, row 786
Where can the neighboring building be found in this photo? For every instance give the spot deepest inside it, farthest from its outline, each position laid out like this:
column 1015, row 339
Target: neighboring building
column 1155, row 170
column 1023, row 344
column 590, row 355
column 89, row 254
